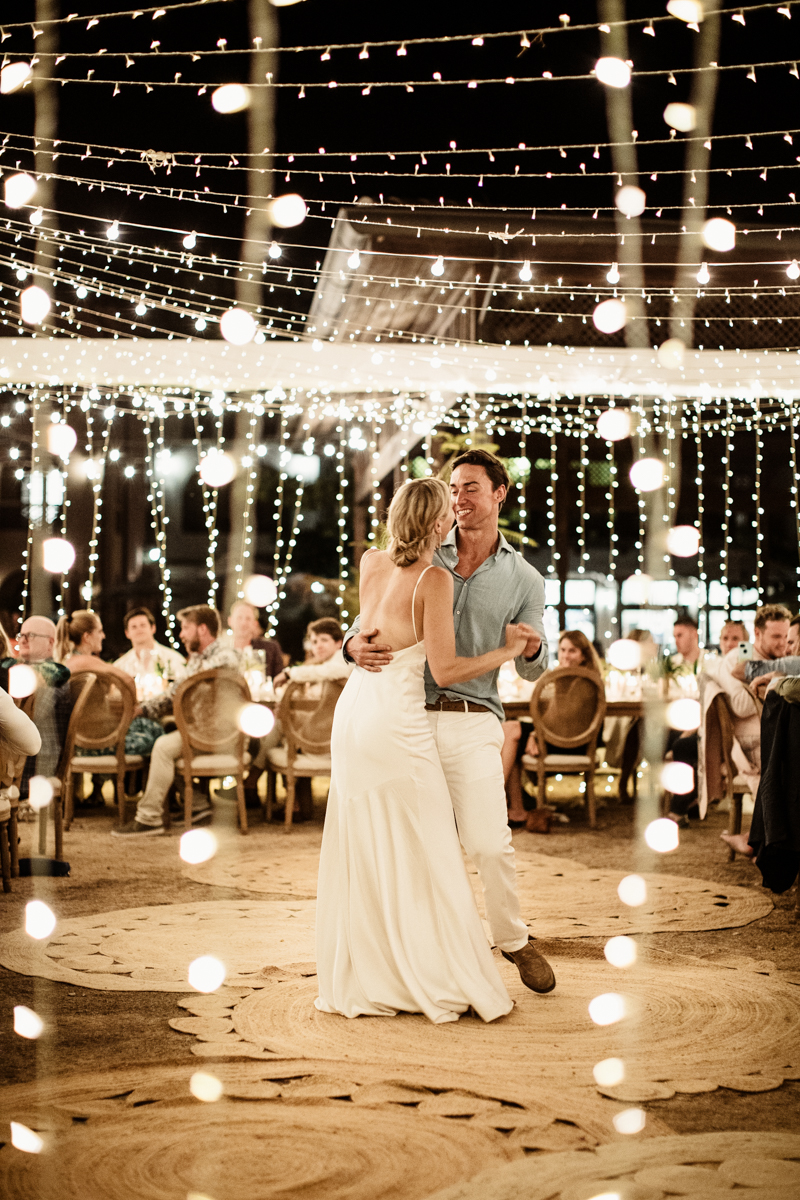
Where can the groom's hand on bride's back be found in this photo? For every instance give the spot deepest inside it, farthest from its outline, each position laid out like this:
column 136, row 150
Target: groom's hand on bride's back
column 365, row 653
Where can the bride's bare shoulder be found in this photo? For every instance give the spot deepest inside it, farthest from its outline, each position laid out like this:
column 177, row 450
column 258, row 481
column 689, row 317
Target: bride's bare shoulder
column 374, row 560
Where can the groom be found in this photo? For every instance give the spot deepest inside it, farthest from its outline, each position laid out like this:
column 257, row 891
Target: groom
column 493, row 587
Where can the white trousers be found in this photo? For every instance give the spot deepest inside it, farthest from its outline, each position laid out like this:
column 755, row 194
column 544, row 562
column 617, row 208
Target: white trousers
column 469, row 749
column 166, row 751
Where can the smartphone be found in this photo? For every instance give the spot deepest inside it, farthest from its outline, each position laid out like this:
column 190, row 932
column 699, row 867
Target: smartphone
column 745, row 652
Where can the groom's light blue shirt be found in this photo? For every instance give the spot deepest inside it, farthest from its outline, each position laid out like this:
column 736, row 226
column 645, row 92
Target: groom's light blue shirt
column 504, row 590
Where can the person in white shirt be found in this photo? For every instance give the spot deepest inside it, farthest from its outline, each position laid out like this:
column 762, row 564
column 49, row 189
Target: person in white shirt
column 147, row 656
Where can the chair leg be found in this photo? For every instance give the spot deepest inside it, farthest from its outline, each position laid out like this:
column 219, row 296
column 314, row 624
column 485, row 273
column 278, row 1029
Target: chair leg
column 241, row 804
column 289, row 811
column 188, row 801
column 68, row 791
column 736, row 820
column 590, row 798
column 58, row 823
column 121, row 795
column 541, row 789
column 5, row 855
column 13, row 843
column 272, row 779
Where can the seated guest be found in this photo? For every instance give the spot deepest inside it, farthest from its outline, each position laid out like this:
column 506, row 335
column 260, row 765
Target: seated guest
column 761, row 674
column 244, row 625
column 35, row 641
column 730, row 635
column 147, row 656
column 328, row 663
column 574, row 650
column 771, row 629
column 200, row 628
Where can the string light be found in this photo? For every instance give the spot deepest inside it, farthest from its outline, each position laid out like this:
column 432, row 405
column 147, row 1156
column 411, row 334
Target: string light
column 247, row 528
column 759, row 572
column 524, row 474
column 96, row 476
column 283, row 458
column 611, row 520
column 641, row 451
column 583, row 463
column 726, row 522
column 158, row 520
column 701, row 500
column 35, row 469
column 210, row 504
column 376, row 500
column 552, row 568
column 342, row 512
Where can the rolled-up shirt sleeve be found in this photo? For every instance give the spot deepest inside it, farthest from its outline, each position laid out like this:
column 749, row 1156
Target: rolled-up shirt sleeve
column 532, row 613
column 352, row 631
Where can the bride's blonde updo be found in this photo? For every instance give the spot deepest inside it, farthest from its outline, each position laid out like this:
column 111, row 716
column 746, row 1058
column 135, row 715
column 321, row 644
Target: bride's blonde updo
column 415, row 509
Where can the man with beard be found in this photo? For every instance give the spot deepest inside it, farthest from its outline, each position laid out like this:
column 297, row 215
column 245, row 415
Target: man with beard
column 200, row 627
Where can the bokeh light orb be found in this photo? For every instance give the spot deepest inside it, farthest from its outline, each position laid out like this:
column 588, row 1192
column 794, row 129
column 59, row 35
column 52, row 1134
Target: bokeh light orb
column 40, row 920
column 34, row 305
column 621, row 951
column 27, row 1023
column 647, row 474
column 630, row 1120
column 58, row 555
column 610, row 316
column 13, row 76
column 690, row 11
column 631, row 201
column 217, row 469
column 18, row 189
column 682, row 117
column 206, row 1087
column 609, row 1072
column 683, row 541
column 260, row 590
column 719, row 234
column 61, row 440
column 614, row 424
column 632, row 890
column 684, row 715
column 608, row 1008
column 678, row 778
column 21, row 681
column 230, row 98
column 237, row 326
column 198, row 845
column 256, row 720
column 40, row 792
column 662, row 835
column 625, row 654
column 613, row 72
column 288, row 211
column 671, row 353
column 206, row 973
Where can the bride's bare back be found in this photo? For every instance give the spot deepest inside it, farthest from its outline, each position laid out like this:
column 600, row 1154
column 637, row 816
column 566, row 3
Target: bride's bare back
column 386, row 593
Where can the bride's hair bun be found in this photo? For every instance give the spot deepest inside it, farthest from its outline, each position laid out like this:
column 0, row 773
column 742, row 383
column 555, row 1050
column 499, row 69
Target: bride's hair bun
column 415, row 509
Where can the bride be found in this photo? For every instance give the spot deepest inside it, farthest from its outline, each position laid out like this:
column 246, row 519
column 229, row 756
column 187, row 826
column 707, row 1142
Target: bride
column 397, row 925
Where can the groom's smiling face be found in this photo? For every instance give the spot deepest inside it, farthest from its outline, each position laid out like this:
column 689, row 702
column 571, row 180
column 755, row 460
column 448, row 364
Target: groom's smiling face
column 475, row 502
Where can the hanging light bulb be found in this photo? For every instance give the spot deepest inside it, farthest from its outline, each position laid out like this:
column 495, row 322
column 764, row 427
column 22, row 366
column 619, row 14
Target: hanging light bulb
column 230, row 98
column 614, row 424
column 112, row 233
column 141, row 308
column 217, row 469
column 613, row 274
column 703, row 275
column 354, row 261
column 613, row 72
column 274, row 250
column 13, row 76
column 237, row 326
column 647, row 474
column 21, row 274
column 793, row 270
column 288, row 211
column 19, row 189
column 34, row 305
column 58, row 555
column 438, row 266
column 190, row 241
column 200, row 324
column 61, row 440
column 81, row 292
column 37, row 216
column 526, row 274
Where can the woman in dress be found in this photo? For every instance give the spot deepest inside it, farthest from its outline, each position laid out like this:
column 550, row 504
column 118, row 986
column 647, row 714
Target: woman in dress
column 397, row 925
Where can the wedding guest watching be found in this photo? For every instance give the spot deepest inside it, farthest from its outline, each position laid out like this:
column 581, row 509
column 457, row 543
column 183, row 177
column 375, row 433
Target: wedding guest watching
column 246, row 630
column 35, row 643
column 687, row 642
column 731, row 634
column 200, row 629
column 146, row 656
column 760, row 674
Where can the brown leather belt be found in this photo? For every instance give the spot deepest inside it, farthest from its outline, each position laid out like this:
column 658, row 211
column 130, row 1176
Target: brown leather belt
column 445, row 705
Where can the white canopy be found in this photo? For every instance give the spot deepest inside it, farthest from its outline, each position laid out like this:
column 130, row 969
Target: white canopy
column 394, row 365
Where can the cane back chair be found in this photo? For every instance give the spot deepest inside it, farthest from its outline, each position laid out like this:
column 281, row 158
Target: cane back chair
column 307, row 722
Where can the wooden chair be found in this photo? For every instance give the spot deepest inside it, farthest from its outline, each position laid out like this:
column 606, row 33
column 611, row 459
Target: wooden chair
column 100, row 718
column 206, row 707
column 11, row 769
column 568, row 707
column 723, row 782
column 307, row 724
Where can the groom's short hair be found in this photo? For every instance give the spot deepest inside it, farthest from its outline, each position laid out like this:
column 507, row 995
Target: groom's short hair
column 492, row 465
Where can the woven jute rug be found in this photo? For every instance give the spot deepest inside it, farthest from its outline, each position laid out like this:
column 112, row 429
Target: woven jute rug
column 691, row 1027
column 559, row 897
column 704, row 1166
column 295, row 1130
column 149, row 949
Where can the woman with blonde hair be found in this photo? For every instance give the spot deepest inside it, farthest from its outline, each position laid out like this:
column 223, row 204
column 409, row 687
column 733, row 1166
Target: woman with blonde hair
column 78, row 636
column 397, row 925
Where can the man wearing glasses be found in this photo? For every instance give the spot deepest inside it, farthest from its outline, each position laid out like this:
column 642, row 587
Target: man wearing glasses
column 53, row 703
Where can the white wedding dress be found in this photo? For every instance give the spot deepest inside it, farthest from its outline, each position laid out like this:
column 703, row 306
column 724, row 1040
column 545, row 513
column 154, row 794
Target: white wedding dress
column 397, row 925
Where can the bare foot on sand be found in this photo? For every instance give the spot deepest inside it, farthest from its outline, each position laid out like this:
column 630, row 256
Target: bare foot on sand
column 738, row 842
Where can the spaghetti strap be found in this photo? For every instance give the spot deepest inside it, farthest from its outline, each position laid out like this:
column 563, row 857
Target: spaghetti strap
column 413, row 600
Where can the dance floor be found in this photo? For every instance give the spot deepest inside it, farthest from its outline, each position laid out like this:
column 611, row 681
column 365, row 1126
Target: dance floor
column 143, row 1087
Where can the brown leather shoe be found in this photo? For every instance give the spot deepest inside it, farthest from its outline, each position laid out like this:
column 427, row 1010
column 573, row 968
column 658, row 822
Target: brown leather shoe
column 534, row 969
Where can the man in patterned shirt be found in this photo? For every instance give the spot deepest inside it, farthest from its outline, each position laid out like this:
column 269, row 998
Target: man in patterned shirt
column 200, row 626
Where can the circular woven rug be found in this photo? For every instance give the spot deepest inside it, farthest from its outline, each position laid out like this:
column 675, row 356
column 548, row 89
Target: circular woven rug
column 149, row 949
column 559, row 897
column 704, row 1166
column 692, row 1027
column 139, row 1132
